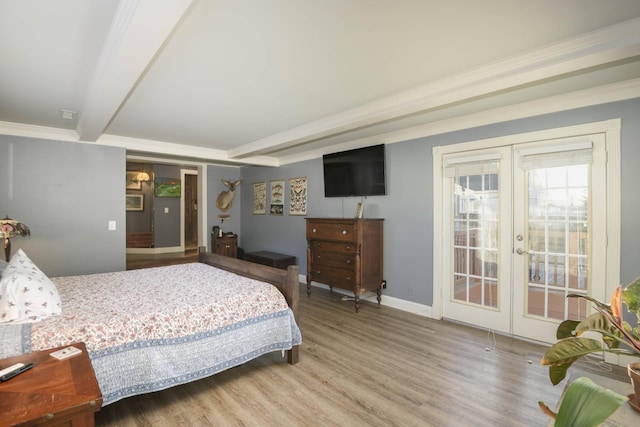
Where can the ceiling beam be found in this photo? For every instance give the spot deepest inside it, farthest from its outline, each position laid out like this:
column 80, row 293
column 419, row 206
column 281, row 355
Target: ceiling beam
column 139, row 30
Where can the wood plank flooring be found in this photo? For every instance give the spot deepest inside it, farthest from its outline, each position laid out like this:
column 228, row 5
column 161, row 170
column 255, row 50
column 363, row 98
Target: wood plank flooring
column 380, row 367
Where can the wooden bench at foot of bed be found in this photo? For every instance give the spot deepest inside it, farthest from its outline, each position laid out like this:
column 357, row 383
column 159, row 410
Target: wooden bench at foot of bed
column 286, row 281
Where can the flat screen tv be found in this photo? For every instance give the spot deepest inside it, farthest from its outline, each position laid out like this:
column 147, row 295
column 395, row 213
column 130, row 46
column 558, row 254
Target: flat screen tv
column 358, row 172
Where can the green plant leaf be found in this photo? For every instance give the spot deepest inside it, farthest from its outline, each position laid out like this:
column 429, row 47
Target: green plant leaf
column 566, row 329
column 563, row 353
column 586, row 404
column 596, row 322
column 631, row 297
column 597, row 303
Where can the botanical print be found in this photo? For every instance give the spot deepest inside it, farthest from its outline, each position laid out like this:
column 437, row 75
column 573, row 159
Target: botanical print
column 277, row 197
column 259, row 198
column 298, row 202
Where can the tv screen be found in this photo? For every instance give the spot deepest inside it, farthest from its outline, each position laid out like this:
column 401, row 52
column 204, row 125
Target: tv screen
column 358, row 172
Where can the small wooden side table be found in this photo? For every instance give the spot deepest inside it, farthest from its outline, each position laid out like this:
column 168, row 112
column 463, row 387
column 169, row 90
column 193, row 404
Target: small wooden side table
column 52, row 393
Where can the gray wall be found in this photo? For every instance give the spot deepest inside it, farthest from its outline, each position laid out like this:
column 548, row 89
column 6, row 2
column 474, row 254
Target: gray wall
column 215, row 174
column 141, row 221
column 408, row 207
column 166, row 211
column 66, row 193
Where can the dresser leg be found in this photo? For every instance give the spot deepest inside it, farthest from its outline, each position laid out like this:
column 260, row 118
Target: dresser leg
column 379, row 292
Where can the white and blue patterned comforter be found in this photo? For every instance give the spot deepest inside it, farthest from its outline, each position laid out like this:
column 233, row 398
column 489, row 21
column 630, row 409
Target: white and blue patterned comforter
column 147, row 330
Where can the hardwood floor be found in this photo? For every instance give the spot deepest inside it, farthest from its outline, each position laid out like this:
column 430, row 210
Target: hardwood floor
column 380, row 367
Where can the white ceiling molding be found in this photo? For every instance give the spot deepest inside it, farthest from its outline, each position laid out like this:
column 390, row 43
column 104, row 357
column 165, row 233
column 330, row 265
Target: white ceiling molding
column 139, row 30
column 594, row 49
column 34, row 131
column 181, row 151
column 583, row 98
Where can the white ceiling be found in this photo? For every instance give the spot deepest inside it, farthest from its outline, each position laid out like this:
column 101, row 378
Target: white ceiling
column 275, row 81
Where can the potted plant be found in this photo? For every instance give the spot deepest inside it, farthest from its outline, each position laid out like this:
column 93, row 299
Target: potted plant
column 618, row 336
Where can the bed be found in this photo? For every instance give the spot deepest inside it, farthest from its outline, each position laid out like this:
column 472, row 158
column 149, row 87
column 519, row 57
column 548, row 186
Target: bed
column 150, row 329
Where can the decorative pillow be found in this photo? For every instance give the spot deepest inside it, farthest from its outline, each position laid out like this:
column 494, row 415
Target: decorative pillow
column 26, row 294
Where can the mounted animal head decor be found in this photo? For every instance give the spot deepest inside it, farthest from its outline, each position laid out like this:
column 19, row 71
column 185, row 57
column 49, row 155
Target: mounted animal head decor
column 225, row 198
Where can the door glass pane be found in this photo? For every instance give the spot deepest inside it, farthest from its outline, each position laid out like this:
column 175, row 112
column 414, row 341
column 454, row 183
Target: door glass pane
column 475, row 252
column 558, row 246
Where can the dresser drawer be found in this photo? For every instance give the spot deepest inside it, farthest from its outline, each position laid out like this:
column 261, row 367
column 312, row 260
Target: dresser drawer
column 323, row 245
column 334, row 259
column 335, row 231
column 334, row 276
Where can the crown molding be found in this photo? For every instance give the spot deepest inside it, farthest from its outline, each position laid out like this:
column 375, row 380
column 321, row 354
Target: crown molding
column 604, row 94
column 604, row 46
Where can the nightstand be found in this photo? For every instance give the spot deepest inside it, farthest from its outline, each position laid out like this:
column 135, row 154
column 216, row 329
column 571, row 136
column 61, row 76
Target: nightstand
column 226, row 245
column 52, row 393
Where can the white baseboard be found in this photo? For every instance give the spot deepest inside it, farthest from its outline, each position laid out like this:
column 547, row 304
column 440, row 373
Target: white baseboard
column 400, row 304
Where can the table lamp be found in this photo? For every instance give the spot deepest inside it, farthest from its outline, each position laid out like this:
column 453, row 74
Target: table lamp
column 10, row 228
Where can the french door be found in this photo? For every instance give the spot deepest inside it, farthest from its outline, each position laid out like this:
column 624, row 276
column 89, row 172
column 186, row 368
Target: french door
column 523, row 226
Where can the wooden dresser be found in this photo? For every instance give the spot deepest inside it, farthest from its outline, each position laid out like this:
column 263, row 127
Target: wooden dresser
column 345, row 253
column 226, row 245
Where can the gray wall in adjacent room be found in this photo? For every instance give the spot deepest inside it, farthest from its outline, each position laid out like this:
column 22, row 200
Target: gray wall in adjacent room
column 66, row 193
column 166, row 211
column 408, row 208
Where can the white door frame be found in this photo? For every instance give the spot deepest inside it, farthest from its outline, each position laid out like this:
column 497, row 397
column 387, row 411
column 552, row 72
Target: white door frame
column 611, row 129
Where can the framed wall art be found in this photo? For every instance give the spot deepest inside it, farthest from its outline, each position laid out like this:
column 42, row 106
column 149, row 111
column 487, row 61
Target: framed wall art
column 135, row 202
column 259, row 198
column 132, row 182
column 298, row 196
column 167, row 187
column 276, row 189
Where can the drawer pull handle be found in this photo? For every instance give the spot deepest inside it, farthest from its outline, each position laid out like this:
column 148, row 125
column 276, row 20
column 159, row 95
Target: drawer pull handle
column 314, row 230
column 348, row 261
column 344, row 232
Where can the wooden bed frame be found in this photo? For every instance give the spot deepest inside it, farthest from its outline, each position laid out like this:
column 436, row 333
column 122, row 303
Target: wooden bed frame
column 286, row 281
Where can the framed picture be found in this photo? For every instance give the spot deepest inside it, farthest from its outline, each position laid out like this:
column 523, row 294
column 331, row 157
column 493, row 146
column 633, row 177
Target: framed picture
column 277, row 197
column 167, row 187
column 132, row 182
column 298, row 196
column 135, row 202
column 259, row 198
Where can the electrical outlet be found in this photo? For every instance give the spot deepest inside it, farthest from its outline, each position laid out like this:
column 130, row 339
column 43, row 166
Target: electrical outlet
column 384, row 284
column 111, row 225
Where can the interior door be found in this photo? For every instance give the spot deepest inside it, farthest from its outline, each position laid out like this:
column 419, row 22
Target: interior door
column 190, row 209
column 521, row 228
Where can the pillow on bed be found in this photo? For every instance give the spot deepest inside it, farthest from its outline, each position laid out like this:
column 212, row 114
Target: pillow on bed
column 3, row 264
column 26, row 294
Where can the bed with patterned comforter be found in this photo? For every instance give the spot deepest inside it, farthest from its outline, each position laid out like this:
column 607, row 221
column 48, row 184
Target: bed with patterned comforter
column 150, row 329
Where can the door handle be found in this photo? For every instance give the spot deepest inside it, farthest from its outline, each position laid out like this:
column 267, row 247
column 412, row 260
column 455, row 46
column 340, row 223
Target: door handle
column 519, row 251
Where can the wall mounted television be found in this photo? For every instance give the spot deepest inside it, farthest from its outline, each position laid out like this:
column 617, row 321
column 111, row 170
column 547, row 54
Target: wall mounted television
column 359, row 172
